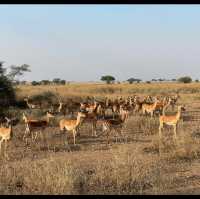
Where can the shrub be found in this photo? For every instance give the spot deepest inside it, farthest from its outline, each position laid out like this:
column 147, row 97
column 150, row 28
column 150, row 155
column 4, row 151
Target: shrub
column 108, row 79
column 7, row 93
column 185, row 79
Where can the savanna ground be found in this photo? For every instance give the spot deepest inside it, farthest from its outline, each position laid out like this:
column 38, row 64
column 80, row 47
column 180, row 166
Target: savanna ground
column 138, row 165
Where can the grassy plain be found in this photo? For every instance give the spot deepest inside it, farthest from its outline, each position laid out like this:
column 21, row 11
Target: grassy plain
column 140, row 165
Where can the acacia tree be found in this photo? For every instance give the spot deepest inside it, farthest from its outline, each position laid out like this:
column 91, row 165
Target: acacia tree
column 7, row 80
column 7, row 93
column 131, row 80
column 108, row 79
column 17, row 71
column 185, row 79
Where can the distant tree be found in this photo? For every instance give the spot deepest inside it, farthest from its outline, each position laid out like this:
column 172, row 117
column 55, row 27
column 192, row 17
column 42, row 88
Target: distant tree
column 160, row 79
column 45, row 82
column 7, row 92
column 108, row 79
column 35, row 83
column 196, row 80
column 131, row 80
column 173, row 80
column 148, row 82
column 62, row 82
column 154, row 80
column 185, row 79
column 56, row 80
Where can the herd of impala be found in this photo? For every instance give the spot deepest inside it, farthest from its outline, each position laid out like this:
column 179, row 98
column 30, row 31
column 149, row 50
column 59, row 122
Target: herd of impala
column 94, row 112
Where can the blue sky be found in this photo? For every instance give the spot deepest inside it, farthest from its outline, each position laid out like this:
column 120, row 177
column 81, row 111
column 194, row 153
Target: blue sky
column 84, row 42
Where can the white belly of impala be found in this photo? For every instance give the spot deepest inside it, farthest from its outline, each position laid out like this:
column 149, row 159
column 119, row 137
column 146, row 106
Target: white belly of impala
column 69, row 128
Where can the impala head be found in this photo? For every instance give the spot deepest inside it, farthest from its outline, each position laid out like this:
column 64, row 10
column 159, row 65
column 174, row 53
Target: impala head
column 50, row 115
column 8, row 121
column 83, row 105
column 181, row 108
column 82, row 113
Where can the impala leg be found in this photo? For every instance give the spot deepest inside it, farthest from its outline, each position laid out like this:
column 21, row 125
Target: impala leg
column 26, row 131
column 175, row 132
column 94, row 128
column 5, row 154
column 108, row 137
column 74, row 135
column 160, row 128
column 36, row 135
column 0, row 144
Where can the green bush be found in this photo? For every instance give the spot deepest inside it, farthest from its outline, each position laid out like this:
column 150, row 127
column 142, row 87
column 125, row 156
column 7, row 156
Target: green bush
column 185, row 79
column 7, row 93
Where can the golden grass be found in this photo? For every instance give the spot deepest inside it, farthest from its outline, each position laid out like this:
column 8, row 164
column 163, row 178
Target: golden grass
column 48, row 166
column 110, row 90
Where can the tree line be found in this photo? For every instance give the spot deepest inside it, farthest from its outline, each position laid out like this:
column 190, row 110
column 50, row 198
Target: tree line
column 110, row 80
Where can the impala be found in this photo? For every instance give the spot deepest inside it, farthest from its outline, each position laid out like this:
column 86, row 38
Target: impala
column 73, row 124
column 149, row 108
column 6, row 133
column 31, row 106
column 171, row 120
column 36, row 125
column 115, row 124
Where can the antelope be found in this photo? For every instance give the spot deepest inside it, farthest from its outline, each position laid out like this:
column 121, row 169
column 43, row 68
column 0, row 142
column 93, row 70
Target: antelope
column 93, row 117
column 101, row 110
column 31, row 106
column 165, row 103
column 174, row 100
column 171, row 120
column 149, row 108
column 115, row 124
column 6, row 133
column 35, row 124
column 138, row 104
column 73, row 124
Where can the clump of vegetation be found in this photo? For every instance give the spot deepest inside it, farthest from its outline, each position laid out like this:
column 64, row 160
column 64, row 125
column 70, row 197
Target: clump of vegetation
column 132, row 80
column 46, row 96
column 108, row 79
column 185, row 79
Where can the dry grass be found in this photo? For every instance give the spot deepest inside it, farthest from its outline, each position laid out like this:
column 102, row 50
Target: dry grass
column 140, row 165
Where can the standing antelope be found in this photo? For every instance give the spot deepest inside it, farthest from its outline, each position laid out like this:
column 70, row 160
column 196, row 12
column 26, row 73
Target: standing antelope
column 73, row 124
column 36, row 125
column 171, row 120
column 93, row 117
column 31, row 106
column 149, row 108
column 115, row 124
column 6, row 133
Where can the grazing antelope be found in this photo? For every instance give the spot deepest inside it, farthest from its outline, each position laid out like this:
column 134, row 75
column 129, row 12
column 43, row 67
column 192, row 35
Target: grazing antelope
column 149, row 108
column 171, row 120
column 6, row 133
column 36, row 125
column 73, row 124
column 115, row 124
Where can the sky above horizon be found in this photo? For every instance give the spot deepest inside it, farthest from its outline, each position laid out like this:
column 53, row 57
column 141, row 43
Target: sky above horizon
column 84, row 42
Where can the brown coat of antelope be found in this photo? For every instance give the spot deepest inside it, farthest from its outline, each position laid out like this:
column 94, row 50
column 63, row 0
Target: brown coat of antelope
column 72, row 124
column 36, row 125
column 149, row 108
column 115, row 124
column 171, row 120
column 6, row 134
